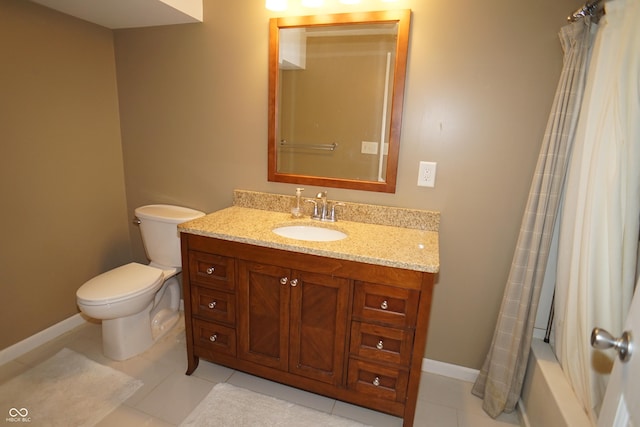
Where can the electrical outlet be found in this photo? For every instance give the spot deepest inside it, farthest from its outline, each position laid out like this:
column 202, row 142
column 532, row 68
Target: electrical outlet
column 369, row 147
column 427, row 174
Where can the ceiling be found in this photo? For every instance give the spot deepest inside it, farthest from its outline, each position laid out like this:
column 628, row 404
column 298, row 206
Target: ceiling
column 129, row 13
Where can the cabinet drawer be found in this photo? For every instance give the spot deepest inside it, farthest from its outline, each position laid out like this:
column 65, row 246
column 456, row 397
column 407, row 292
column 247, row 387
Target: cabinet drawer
column 386, row 304
column 377, row 380
column 213, row 270
column 214, row 305
column 214, row 337
column 381, row 343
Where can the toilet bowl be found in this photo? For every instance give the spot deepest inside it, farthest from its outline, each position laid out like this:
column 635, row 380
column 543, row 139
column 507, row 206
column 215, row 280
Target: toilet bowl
column 139, row 303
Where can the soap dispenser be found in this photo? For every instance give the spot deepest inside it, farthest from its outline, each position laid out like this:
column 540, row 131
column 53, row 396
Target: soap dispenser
column 296, row 209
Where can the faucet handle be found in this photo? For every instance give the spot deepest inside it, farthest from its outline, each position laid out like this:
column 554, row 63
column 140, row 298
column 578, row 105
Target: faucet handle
column 315, row 207
column 333, row 210
column 321, row 195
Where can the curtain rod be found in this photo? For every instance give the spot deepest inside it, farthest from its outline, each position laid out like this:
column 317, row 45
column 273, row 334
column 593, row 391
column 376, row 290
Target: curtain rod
column 589, row 9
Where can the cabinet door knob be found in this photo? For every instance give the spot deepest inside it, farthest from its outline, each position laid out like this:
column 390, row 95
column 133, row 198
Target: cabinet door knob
column 380, row 345
column 384, row 305
column 210, row 270
column 212, row 305
column 213, row 338
column 376, row 381
column 284, row 280
column 294, row 282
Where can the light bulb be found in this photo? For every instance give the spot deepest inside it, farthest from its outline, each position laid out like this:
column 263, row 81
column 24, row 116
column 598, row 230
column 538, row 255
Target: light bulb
column 276, row 5
column 312, row 3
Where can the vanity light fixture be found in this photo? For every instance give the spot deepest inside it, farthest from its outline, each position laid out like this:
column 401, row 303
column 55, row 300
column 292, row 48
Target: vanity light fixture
column 312, row 3
column 281, row 5
column 276, row 5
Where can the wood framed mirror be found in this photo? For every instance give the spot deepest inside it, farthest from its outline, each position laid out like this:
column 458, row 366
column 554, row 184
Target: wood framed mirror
column 336, row 92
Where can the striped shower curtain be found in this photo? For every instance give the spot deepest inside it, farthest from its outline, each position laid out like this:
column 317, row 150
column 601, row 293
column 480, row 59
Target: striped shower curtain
column 500, row 380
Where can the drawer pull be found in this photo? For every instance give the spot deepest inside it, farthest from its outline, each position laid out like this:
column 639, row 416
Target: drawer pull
column 376, row 381
column 213, row 338
column 384, row 305
column 380, row 345
column 284, row 280
column 294, row 282
column 212, row 305
column 210, row 270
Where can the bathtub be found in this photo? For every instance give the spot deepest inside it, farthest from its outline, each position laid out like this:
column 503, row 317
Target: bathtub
column 547, row 398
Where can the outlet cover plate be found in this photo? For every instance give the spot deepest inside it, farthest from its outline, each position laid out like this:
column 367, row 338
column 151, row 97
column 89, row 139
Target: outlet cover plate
column 427, row 174
column 369, row 147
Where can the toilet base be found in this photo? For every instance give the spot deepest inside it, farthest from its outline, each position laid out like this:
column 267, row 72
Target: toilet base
column 165, row 313
column 126, row 337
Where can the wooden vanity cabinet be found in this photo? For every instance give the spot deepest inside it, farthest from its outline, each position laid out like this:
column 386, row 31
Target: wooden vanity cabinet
column 347, row 330
column 292, row 320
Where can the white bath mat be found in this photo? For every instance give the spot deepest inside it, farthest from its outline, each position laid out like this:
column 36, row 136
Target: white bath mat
column 230, row 406
column 66, row 390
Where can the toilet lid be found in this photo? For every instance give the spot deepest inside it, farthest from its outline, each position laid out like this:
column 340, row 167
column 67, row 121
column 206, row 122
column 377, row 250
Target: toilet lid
column 120, row 283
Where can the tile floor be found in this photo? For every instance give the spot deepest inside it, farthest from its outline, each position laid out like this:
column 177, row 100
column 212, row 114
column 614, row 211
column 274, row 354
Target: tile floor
column 168, row 395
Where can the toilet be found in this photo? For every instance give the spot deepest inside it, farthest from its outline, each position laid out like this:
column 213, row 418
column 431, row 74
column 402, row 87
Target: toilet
column 139, row 303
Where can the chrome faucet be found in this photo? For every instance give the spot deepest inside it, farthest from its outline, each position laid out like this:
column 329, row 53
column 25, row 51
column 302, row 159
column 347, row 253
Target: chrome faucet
column 322, row 198
column 321, row 211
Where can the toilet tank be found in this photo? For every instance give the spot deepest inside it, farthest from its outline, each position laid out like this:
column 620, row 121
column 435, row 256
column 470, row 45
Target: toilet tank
column 159, row 229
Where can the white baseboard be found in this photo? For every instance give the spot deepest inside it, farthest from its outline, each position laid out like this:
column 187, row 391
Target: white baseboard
column 28, row 344
column 448, row 370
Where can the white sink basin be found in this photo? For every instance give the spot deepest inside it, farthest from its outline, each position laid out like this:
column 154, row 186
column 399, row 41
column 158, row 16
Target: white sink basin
column 309, row 233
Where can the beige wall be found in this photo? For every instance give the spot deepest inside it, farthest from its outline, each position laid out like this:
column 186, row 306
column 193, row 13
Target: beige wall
column 63, row 209
column 193, row 114
column 481, row 79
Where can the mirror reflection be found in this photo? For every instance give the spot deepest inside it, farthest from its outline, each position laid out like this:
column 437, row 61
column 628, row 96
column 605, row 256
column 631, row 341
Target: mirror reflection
column 336, row 90
column 334, row 109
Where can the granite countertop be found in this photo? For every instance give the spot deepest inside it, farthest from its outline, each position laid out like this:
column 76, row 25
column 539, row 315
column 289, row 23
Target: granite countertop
column 400, row 247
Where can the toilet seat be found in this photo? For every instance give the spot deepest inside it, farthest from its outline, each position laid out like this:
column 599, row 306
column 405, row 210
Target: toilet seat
column 121, row 283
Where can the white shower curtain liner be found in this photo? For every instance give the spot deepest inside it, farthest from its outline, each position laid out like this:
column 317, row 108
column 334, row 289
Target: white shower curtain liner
column 600, row 220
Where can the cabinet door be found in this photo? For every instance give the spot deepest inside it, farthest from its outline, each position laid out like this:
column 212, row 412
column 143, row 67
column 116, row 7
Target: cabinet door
column 263, row 308
column 318, row 326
